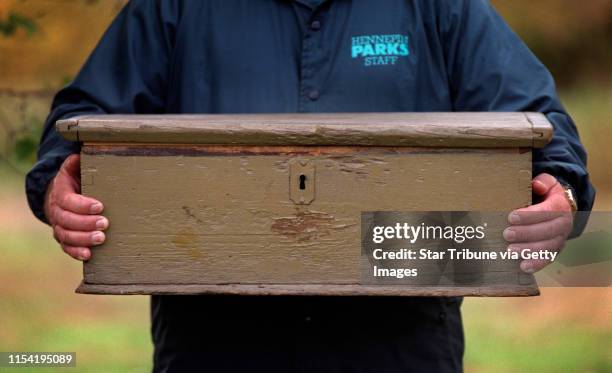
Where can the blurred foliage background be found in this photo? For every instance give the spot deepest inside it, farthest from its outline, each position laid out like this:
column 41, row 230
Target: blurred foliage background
column 42, row 45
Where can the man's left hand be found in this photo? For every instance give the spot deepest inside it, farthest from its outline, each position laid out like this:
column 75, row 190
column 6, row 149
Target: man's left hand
column 543, row 226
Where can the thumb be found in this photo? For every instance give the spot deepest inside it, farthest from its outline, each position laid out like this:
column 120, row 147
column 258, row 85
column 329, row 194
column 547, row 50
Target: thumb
column 72, row 165
column 69, row 176
column 543, row 183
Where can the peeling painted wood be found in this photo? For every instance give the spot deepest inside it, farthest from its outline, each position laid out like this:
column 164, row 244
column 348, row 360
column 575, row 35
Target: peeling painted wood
column 195, row 150
column 347, row 129
column 542, row 129
column 218, row 219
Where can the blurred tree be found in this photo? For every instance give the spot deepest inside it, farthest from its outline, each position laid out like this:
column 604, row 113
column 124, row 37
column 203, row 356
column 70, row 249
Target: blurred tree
column 20, row 141
column 15, row 21
column 572, row 38
column 42, row 45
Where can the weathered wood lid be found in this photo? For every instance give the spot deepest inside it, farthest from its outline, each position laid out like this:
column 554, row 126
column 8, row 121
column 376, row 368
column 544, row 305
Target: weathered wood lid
column 347, row 129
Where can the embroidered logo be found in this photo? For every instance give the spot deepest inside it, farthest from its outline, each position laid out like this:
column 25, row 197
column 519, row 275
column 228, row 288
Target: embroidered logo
column 379, row 50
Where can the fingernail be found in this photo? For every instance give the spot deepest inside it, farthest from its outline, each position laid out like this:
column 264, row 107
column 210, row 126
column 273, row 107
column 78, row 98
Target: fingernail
column 509, row 235
column 96, row 208
column 84, row 254
column 527, row 267
column 102, row 223
column 514, row 218
column 97, row 237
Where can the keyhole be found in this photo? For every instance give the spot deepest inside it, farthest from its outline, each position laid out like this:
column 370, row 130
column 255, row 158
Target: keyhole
column 302, row 182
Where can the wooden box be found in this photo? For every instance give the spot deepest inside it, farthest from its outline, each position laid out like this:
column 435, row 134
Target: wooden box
column 271, row 204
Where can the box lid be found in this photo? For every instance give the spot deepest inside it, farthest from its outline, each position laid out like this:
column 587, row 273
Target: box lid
column 456, row 129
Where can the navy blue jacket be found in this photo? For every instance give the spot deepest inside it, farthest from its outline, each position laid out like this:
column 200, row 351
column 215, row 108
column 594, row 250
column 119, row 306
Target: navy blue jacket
column 262, row 56
column 258, row 56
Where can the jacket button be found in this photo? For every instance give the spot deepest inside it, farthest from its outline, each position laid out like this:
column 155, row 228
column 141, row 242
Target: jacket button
column 315, row 25
column 313, row 95
column 442, row 316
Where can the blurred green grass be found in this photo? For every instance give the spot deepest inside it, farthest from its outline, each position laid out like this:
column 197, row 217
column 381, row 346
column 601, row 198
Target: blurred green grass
column 514, row 335
column 562, row 330
column 39, row 310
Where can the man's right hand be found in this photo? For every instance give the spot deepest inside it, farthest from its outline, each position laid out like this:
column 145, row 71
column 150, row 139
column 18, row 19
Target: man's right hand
column 76, row 220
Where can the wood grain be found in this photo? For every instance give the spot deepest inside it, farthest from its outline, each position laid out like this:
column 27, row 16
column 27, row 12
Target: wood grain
column 347, row 129
column 310, row 290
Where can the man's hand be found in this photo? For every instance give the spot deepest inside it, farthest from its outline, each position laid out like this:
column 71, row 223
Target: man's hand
column 543, row 226
column 75, row 219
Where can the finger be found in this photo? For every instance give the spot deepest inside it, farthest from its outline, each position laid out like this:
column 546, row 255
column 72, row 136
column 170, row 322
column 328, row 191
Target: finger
column 69, row 175
column 553, row 245
column 78, row 253
column 535, row 214
column 534, row 265
column 560, row 226
column 529, row 216
column 65, row 184
column 80, row 204
column 543, row 183
column 78, row 239
column 55, row 236
column 77, row 222
column 555, row 205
